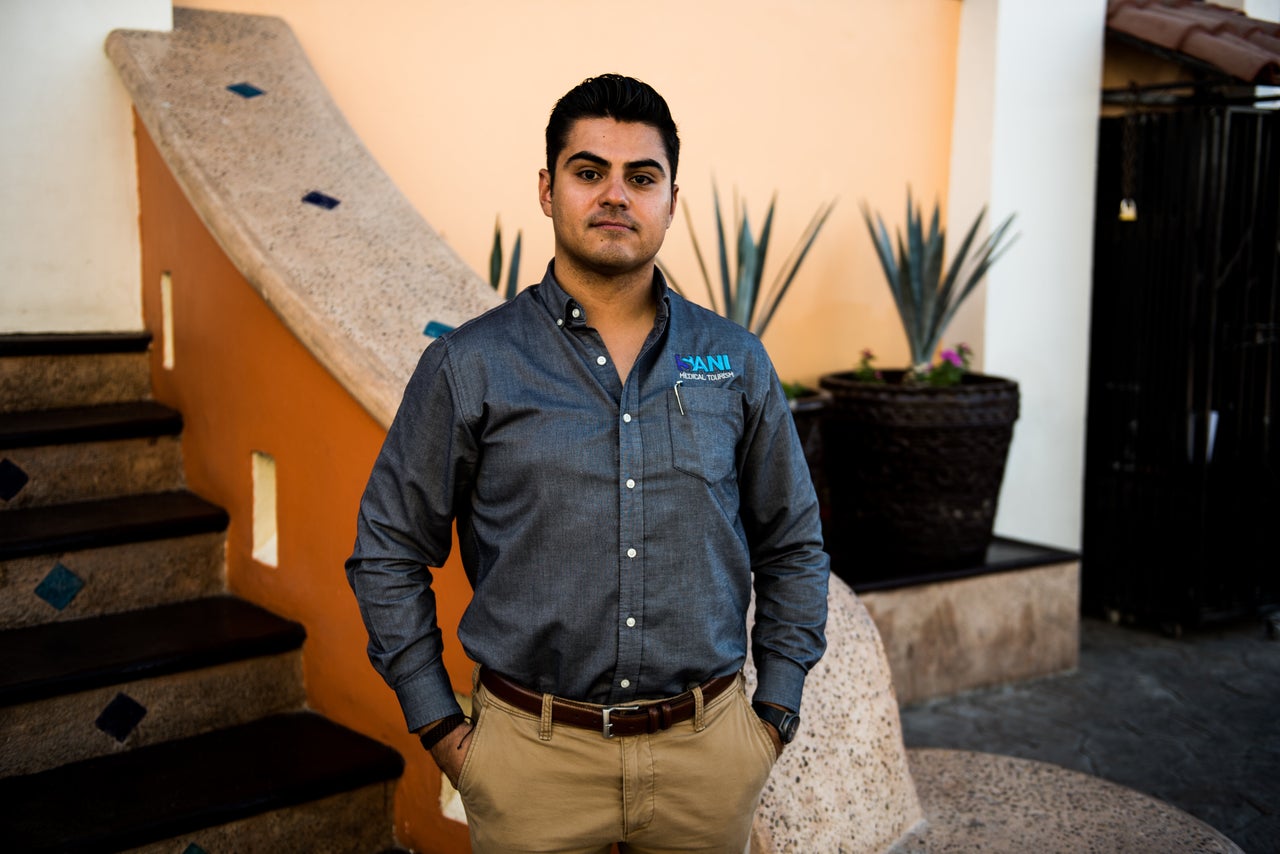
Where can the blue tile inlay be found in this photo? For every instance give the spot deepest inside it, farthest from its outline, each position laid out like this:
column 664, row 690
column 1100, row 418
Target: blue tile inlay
column 60, row 586
column 435, row 329
column 321, row 200
column 120, row 717
column 12, row 479
column 194, row 849
column 246, row 90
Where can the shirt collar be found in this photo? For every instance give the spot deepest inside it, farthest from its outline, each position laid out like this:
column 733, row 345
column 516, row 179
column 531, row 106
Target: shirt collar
column 562, row 307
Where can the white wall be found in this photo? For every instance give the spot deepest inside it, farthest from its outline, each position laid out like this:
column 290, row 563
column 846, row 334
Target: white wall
column 69, row 252
column 1025, row 140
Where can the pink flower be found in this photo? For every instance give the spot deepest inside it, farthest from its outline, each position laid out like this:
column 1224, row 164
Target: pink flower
column 867, row 354
column 950, row 356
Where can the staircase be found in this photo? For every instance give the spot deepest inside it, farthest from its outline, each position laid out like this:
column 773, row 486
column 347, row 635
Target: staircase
column 141, row 707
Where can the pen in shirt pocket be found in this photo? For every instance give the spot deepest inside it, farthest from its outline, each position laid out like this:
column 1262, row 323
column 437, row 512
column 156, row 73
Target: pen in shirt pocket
column 676, row 389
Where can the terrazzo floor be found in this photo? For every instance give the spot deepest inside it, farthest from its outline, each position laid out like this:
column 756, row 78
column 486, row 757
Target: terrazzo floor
column 1193, row 721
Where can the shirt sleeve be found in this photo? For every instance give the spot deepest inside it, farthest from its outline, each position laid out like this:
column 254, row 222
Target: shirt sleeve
column 404, row 528
column 779, row 509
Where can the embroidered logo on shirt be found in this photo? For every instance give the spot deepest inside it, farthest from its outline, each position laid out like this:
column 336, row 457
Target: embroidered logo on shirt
column 714, row 367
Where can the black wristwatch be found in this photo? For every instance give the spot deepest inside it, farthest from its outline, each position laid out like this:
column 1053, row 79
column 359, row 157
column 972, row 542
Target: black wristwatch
column 785, row 722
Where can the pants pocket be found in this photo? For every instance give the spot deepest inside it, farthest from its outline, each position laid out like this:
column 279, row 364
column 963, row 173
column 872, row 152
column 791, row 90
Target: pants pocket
column 473, row 745
column 761, row 729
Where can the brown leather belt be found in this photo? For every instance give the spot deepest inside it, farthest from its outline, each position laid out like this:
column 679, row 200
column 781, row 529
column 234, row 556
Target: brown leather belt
column 609, row 721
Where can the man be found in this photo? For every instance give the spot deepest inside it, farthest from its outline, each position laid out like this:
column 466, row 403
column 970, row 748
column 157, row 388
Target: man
column 622, row 466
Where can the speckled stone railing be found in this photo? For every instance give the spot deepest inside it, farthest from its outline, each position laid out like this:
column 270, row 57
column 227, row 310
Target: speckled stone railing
column 294, row 198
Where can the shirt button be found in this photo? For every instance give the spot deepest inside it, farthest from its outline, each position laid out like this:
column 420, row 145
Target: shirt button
column 631, row 621
column 631, row 552
column 625, row 683
column 577, row 312
column 626, row 418
column 631, row 484
column 559, row 321
column 601, row 360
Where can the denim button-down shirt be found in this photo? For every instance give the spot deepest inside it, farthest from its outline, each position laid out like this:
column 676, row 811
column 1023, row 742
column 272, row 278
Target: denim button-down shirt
column 610, row 531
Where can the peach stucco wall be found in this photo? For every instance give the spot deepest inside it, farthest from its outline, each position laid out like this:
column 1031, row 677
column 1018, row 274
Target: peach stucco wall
column 816, row 99
column 243, row 383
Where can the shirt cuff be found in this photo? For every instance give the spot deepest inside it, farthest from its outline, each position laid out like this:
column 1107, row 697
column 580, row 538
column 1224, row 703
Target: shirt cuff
column 426, row 698
column 779, row 681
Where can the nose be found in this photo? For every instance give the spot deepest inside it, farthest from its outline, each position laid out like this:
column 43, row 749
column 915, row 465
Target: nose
column 613, row 192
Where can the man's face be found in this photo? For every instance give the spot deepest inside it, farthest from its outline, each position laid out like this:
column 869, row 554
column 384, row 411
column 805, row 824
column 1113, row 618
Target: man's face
column 613, row 198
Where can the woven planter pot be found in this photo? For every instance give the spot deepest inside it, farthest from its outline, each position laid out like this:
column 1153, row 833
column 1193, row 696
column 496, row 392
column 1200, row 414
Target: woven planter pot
column 913, row 472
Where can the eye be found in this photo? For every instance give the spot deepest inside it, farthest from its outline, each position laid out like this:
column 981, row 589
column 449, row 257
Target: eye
column 643, row 180
column 588, row 174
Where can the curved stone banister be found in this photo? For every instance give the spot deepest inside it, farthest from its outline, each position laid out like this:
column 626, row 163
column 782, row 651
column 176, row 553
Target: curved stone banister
column 356, row 282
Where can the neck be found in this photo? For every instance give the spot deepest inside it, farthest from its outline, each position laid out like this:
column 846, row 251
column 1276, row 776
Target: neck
column 620, row 308
column 610, row 299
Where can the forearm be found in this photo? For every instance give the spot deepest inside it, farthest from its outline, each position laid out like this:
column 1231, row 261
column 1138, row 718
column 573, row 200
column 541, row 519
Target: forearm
column 789, row 566
column 405, row 645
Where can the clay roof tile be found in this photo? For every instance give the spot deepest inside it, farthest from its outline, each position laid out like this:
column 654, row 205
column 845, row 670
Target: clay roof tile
column 1246, row 48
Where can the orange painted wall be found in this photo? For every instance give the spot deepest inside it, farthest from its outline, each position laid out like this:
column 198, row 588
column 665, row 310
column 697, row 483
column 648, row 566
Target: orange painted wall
column 813, row 99
column 244, row 383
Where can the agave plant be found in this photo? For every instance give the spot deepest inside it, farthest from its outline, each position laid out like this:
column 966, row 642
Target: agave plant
column 926, row 297
column 742, row 299
column 495, row 262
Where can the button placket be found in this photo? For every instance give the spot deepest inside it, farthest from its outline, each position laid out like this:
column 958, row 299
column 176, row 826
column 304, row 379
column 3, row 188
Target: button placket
column 630, row 541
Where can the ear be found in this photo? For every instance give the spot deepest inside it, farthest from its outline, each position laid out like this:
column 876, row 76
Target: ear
column 544, row 191
column 671, row 214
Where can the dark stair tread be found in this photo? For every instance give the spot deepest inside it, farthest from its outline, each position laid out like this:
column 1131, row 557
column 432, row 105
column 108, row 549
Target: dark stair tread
column 153, row 793
column 106, row 522
column 139, row 419
column 62, row 658
column 73, row 343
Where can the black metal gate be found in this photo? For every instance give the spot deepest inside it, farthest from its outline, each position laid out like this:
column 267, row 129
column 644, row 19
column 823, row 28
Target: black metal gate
column 1182, row 478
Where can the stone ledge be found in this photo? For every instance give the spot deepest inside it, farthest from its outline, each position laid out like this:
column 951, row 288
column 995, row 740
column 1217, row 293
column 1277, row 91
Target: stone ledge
column 974, row 630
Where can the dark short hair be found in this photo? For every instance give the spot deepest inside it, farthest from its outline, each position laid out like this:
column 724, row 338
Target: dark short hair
column 611, row 96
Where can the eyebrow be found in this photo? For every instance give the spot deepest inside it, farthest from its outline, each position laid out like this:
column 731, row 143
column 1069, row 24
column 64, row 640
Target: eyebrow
column 600, row 161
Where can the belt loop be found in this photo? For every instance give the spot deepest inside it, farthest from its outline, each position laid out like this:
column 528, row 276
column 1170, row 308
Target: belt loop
column 475, row 679
column 699, row 721
column 544, row 727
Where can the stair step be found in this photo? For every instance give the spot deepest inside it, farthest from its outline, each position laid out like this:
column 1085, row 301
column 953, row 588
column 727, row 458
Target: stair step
column 111, row 521
column 57, row 371
column 62, row 658
column 107, row 422
column 73, row 585
column 72, row 343
column 86, row 453
column 166, row 790
column 47, row 733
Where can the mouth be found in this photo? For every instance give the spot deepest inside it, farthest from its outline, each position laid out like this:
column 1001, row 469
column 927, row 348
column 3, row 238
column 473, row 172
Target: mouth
column 612, row 225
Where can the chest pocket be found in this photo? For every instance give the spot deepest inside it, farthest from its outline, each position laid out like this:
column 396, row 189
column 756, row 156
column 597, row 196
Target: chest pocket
column 704, row 439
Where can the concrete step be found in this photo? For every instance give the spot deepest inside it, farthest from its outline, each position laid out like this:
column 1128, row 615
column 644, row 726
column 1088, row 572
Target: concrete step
column 112, row 521
column 57, row 456
column 59, row 371
column 285, row 783
column 70, row 585
column 79, row 560
column 75, row 690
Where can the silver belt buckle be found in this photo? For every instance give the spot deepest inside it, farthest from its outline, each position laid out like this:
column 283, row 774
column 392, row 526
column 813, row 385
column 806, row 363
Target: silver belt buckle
column 607, row 728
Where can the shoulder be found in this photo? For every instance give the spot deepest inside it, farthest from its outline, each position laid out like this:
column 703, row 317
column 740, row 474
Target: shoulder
column 696, row 323
column 508, row 322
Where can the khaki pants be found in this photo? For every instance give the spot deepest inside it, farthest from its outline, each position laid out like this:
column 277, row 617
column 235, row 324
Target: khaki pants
column 530, row 786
